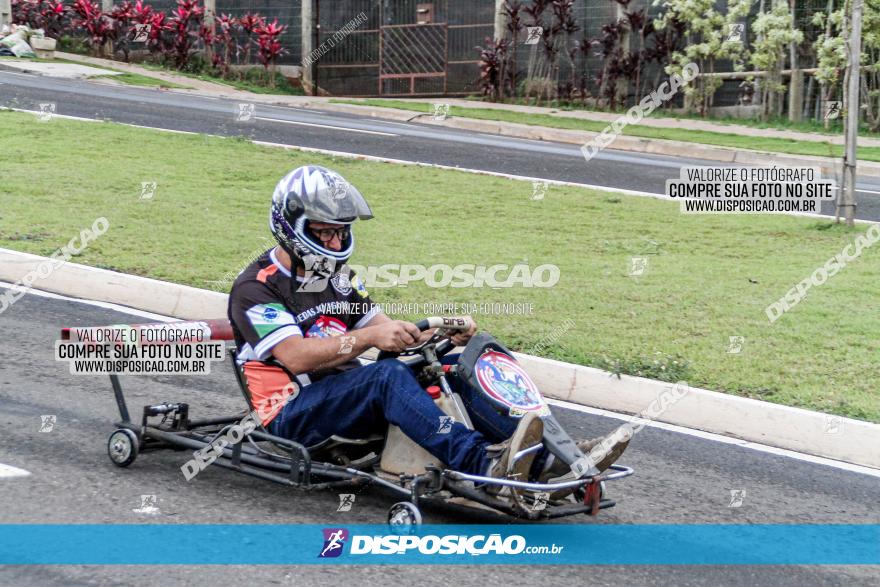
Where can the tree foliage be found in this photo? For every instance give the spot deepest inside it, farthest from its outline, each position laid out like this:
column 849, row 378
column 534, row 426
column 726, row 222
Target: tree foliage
column 707, row 41
column 832, row 55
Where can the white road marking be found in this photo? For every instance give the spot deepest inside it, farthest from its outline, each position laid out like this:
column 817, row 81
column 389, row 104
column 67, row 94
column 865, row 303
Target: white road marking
column 369, row 132
column 563, row 404
column 8, row 471
column 51, row 115
column 783, row 452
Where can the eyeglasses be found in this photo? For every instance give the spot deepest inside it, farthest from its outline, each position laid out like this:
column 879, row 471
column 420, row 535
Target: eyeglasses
column 326, row 234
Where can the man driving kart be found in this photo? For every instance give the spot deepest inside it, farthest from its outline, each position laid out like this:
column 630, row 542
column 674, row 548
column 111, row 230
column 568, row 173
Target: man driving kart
column 301, row 305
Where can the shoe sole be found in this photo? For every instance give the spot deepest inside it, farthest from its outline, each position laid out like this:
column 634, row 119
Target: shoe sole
column 614, row 453
column 529, row 433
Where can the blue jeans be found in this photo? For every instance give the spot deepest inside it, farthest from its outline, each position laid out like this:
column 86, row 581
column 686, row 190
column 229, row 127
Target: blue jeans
column 362, row 401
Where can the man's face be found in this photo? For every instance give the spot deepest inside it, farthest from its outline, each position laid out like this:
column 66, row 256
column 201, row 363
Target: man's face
column 328, row 234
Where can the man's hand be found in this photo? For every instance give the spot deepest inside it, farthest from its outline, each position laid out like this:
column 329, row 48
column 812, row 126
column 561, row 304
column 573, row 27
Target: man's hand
column 394, row 336
column 461, row 337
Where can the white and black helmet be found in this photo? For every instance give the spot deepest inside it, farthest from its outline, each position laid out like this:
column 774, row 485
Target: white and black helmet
column 314, row 194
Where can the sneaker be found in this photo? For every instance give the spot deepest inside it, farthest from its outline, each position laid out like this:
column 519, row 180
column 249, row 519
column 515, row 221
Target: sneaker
column 529, row 432
column 617, row 441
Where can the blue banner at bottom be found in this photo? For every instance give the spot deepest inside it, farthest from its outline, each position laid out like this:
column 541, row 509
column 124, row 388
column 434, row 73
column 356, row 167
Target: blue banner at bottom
column 209, row 544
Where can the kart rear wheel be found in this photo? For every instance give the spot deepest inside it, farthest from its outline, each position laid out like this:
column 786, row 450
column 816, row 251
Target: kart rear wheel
column 122, row 447
column 580, row 493
column 404, row 514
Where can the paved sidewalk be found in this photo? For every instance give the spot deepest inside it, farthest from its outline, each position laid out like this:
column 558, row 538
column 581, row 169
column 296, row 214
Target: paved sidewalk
column 61, row 70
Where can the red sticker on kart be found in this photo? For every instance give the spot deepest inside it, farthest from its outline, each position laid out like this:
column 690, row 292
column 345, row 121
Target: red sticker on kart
column 503, row 379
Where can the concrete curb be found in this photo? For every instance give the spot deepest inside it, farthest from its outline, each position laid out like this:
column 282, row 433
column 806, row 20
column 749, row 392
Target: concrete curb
column 82, row 281
column 828, row 165
column 751, row 420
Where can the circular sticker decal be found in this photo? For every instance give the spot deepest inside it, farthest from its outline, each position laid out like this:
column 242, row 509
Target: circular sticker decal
column 503, row 379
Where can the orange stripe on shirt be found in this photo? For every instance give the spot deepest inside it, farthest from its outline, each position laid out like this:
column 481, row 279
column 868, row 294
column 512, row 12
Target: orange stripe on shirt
column 265, row 273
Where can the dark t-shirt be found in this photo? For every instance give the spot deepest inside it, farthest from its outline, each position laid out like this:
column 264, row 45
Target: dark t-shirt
column 267, row 304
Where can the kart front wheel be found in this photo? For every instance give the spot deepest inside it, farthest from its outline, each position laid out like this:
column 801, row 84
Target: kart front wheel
column 122, row 447
column 404, row 514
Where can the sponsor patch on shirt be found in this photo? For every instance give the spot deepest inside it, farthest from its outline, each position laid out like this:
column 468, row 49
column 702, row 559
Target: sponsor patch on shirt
column 266, row 318
column 341, row 283
column 326, row 326
column 359, row 287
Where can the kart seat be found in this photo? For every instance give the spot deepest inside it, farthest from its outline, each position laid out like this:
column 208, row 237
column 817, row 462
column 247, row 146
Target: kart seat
column 260, row 379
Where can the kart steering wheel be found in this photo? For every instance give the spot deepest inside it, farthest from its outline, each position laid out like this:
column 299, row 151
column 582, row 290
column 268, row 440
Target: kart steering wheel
column 443, row 345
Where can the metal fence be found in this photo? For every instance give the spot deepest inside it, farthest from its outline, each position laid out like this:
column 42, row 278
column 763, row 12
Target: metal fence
column 287, row 12
column 404, row 47
column 413, row 47
column 418, row 47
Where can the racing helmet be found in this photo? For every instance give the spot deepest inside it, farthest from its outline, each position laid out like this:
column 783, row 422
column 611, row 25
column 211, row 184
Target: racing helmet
column 315, row 194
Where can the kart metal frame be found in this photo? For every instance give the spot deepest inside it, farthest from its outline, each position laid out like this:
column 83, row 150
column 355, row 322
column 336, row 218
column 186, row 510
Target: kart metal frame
column 293, row 464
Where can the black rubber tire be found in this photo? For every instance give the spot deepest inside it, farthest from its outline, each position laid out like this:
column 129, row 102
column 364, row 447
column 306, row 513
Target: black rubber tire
column 123, row 447
column 404, row 514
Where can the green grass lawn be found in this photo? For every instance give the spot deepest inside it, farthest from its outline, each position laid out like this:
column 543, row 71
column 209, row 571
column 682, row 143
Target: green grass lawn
column 709, row 277
column 769, row 144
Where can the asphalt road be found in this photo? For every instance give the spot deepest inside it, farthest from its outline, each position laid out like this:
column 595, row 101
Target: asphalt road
column 363, row 135
column 679, row 479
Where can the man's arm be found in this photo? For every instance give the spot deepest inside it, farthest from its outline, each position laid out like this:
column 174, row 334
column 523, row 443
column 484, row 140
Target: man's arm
column 304, row 355
column 458, row 338
column 383, row 318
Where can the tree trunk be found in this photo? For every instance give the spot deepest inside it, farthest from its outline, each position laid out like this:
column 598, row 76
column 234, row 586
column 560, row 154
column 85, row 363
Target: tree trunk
column 759, row 94
column 796, row 81
column 808, row 99
column 622, row 83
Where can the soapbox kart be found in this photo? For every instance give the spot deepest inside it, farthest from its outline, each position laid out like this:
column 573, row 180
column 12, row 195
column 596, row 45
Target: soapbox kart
column 389, row 460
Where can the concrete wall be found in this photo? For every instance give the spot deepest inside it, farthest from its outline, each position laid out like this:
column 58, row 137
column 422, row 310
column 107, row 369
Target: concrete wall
column 5, row 12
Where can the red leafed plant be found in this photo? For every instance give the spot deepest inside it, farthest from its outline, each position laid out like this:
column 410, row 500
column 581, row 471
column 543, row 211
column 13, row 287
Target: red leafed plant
column 249, row 23
column 49, row 15
column 25, row 12
column 158, row 24
column 142, row 13
column 147, row 23
column 223, row 43
column 492, row 64
column 183, row 28
column 54, row 17
column 269, row 46
column 123, row 27
column 97, row 24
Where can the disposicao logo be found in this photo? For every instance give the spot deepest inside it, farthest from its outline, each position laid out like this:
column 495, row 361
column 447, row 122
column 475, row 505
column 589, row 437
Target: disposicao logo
column 334, row 541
